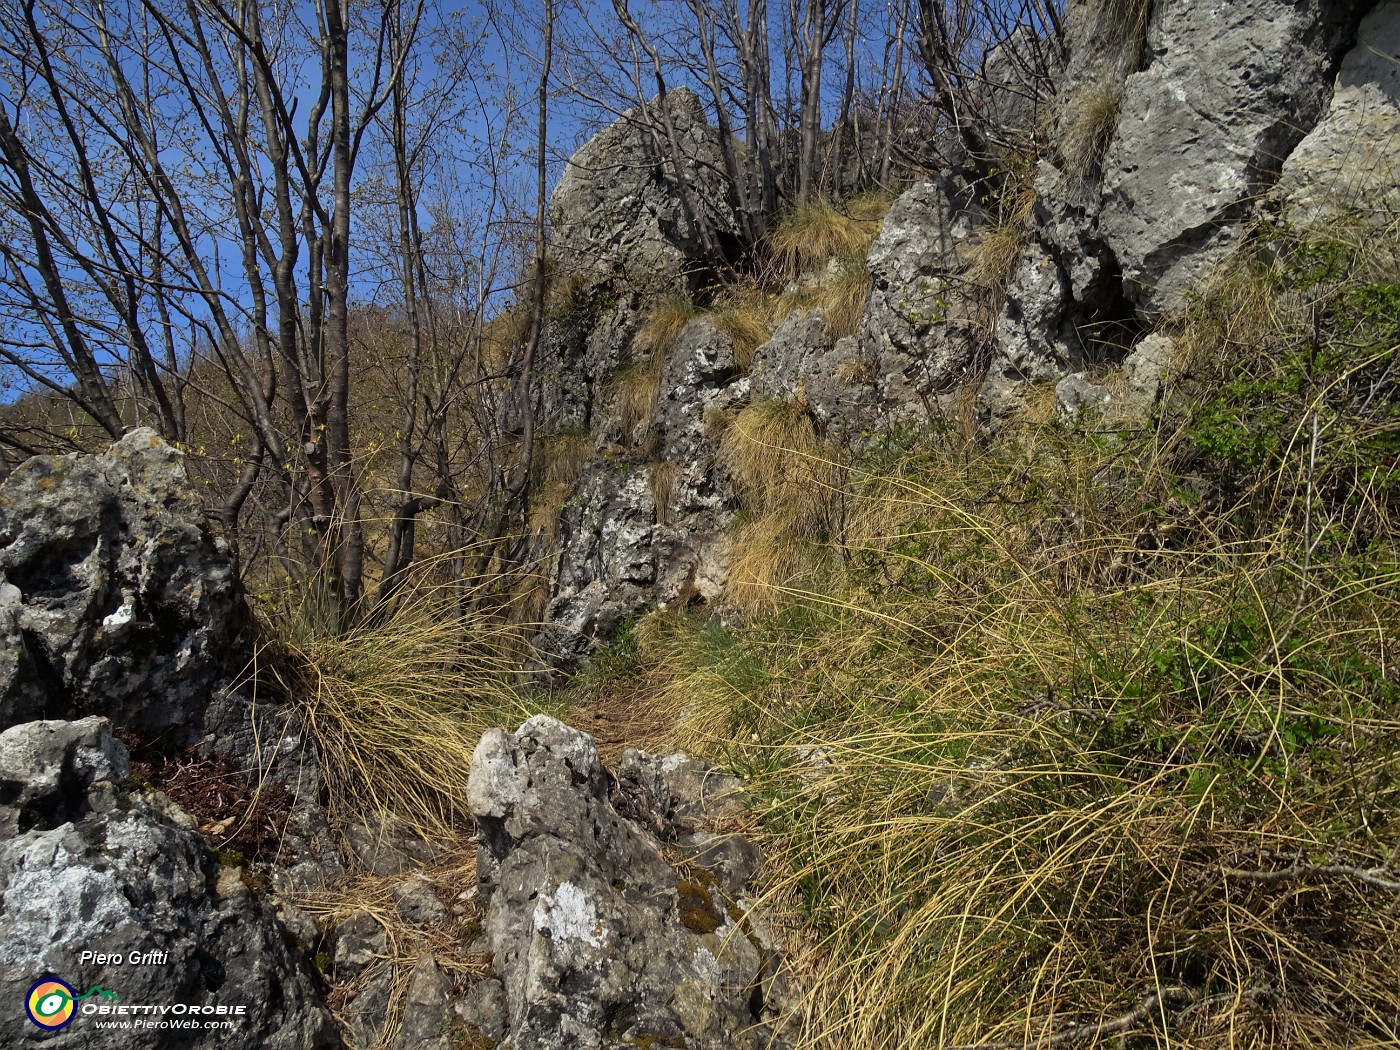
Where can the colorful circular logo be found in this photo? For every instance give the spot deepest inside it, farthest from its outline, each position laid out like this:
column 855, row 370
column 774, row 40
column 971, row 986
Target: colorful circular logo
column 50, row 1003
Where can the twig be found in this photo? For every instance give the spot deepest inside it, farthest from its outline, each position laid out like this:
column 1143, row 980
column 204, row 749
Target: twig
column 1144, row 1009
column 1370, row 876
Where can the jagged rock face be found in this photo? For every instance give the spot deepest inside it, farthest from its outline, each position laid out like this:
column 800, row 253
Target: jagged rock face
column 1351, row 160
column 617, row 208
column 114, row 597
column 1066, row 277
column 647, row 527
column 599, row 942
column 1205, row 117
column 920, row 328
column 1230, row 89
column 87, row 867
column 834, row 379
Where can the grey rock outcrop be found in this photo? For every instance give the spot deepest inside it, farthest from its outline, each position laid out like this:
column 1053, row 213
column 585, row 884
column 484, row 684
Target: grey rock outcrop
column 86, row 867
column 646, row 526
column 834, row 378
column 1350, row 161
column 1205, row 129
column 1161, row 154
column 920, row 328
column 1066, row 285
column 597, row 940
column 618, row 209
column 114, row 596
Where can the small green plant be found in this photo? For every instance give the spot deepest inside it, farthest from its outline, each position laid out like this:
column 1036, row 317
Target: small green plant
column 1297, row 352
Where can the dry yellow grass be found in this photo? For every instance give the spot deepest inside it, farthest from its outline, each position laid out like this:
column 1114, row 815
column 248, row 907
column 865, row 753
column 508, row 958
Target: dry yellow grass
column 662, row 325
column 662, row 479
column 811, row 235
column 1050, row 750
column 793, row 484
column 637, row 388
column 395, row 705
column 1084, row 143
column 364, row 893
column 844, row 296
column 1001, row 245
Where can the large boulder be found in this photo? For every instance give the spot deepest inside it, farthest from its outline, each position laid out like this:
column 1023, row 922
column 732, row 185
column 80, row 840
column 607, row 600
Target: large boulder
column 832, row 377
column 600, row 944
column 104, row 890
column 1350, row 161
column 115, row 598
column 1231, row 88
column 617, row 209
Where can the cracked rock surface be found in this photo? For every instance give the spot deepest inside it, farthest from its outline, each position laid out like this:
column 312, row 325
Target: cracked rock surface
column 598, row 941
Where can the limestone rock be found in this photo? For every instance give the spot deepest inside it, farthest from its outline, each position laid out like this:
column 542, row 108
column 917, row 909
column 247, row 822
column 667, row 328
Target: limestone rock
column 1075, row 395
column 484, row 1008
column 427, row 1015
column 598, row 942
column 1066, row 281
column 617, row 207
column 115, row 599
column 1148, row 365
column 835, row 379
column 384, row 846
column 683, row 790
column 418, row 903
column 732, row 859
column 367, row 1015
column 359, row 942
column 84, row 867
column 54, row 772
column 298, row 923
column 647, row 527
column 1205, row 128
column 919, row 328
column 1015, row 87
column 1351, row 160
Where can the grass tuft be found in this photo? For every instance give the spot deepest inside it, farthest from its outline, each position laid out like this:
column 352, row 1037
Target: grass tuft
column 811, row 235
column 638, row 388
column 792, row 482
column 395, row 706
column 662, row 325
column 1086, row 140
column 1000, row 247
column 844, row 296
column 663, row 477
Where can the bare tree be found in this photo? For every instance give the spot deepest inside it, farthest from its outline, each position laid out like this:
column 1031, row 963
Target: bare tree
column 165, row 179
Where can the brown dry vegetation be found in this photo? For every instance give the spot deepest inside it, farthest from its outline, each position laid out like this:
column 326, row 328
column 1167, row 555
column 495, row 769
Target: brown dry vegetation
column 1087, row 739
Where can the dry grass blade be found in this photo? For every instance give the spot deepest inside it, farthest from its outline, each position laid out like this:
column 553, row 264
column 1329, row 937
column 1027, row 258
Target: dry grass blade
column 394, row 707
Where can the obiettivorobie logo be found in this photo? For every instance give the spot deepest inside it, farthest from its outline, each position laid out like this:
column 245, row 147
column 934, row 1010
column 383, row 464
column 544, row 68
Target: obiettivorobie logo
column 51, row 1003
